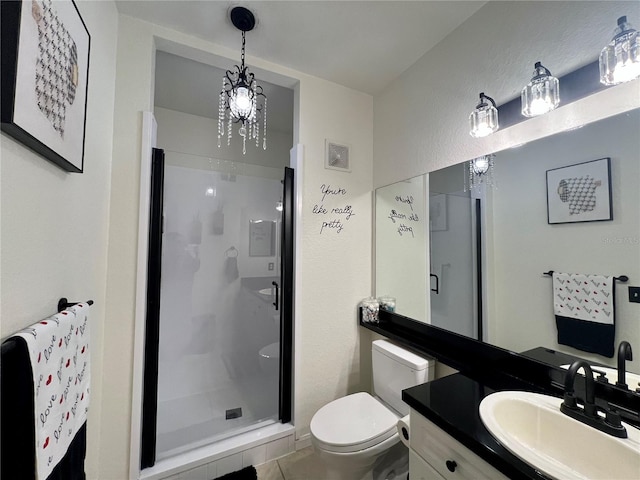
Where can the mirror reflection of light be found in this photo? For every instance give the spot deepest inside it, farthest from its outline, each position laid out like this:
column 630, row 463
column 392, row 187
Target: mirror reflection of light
column 210, row 192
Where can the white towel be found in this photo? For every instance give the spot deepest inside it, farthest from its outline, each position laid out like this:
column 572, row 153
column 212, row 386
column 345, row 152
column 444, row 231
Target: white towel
column 59, row 353
column 584, row 297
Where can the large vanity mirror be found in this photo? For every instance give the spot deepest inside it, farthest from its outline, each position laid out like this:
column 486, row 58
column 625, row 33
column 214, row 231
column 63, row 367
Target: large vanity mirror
column 472, row 260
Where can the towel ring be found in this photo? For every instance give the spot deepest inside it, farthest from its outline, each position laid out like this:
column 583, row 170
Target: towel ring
column 231, row 252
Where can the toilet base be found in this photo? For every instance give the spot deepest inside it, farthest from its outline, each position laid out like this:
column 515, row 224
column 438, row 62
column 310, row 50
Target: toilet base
column 386, row 461
column 394, row 465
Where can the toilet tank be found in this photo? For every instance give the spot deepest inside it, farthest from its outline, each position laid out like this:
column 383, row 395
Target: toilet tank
column 395, row 369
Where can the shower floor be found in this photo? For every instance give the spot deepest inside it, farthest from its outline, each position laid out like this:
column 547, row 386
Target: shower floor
column 190, row 421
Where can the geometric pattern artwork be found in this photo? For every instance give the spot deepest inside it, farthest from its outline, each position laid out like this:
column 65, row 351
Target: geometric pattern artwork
column 579, row 192
column 45, row 79
column 56, row 65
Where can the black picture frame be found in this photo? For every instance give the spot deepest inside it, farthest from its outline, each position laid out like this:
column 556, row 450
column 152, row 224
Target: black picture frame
column 45, row 78
column 580, row 192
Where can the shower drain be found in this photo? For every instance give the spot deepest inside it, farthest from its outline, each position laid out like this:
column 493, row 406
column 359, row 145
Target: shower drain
column 233, row 413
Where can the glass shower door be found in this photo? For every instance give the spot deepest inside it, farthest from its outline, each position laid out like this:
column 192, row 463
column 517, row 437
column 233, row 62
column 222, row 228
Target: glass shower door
column 219, row 318
column 452, row 260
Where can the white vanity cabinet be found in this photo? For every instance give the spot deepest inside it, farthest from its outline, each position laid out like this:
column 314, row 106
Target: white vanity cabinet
column 434, row 454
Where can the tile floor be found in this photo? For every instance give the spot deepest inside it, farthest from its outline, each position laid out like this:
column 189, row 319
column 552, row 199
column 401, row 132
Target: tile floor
column 301, row 465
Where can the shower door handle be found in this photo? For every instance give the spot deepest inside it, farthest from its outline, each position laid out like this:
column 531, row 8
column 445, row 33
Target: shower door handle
column 437, row 289
column 275, row 304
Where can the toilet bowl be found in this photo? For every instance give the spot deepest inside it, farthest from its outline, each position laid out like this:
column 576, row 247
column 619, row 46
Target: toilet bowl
column 270, row 358
column 356, row 436
column 351, row 433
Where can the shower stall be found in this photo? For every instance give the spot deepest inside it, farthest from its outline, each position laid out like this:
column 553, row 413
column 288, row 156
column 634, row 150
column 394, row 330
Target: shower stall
column 455, row 262
column 219, row 320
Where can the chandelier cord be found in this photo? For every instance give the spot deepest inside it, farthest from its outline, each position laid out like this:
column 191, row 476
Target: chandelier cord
column 242, row 55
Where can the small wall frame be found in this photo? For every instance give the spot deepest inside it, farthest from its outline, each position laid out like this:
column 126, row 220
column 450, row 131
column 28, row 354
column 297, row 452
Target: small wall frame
column 580, row 192
column 337, row 156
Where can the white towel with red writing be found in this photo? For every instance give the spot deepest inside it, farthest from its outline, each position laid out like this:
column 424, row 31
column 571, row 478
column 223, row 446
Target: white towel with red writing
column 585, row 297
column 59, row 353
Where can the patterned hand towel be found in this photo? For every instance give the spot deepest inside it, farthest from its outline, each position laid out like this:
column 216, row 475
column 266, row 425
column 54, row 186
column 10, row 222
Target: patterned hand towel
column 584, row 309
column 59, row 352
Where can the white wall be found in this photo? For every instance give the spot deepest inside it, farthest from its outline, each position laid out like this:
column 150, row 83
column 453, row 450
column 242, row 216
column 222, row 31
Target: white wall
column 185, row 133
column 55, row 224
column 421, row 119
column 336, row 268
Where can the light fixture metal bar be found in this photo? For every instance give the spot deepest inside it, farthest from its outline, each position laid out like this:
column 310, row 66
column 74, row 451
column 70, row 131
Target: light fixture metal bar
column 575, row 85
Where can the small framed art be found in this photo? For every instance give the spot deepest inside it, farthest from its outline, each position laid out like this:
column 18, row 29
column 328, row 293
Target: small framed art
column 580, row 192
column 45, row 69
column 337, row 156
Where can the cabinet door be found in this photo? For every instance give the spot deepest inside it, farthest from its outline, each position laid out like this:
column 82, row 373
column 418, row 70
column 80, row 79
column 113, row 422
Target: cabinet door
column 421, row 470
column 446, row 455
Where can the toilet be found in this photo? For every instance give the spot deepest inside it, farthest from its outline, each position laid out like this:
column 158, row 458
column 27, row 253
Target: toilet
column 270, row 358
column 356, row 436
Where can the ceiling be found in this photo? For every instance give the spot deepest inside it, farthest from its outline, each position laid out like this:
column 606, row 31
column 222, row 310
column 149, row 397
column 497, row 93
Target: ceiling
column 363, row 45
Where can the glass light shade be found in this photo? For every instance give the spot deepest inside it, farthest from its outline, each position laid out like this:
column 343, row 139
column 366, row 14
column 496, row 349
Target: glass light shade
column 483, row 120
column 480, row 172
column 241, row 103
column 620, row 60
column 480, row 165
column 542, row 93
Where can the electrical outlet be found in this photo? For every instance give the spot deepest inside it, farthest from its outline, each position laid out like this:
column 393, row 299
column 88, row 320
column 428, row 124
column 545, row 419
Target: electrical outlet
column 271, row 266
column 634, row 294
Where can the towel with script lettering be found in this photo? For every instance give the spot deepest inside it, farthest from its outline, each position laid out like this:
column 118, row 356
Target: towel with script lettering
column 584, row 310
column 59, row 352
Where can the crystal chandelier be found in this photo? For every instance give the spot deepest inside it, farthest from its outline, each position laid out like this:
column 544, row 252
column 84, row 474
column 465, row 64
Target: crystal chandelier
column 484, row 119
column 241, row 99
column 541, row 95
column 620, row 60
column 480, row 172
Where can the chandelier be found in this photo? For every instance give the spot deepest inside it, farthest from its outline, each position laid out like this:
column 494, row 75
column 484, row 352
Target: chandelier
column 242, row 100
column 480, row 171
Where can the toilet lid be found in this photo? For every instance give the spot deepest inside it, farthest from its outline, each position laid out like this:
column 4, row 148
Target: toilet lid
column 352, row 423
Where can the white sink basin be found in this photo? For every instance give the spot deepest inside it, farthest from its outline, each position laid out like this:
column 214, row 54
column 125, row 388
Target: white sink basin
column 632, row 379
column 532, row 427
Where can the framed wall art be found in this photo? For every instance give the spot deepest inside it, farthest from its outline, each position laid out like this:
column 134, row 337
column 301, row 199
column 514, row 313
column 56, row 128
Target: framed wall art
column 580, row 192
column 337, row 156
column 45, row 70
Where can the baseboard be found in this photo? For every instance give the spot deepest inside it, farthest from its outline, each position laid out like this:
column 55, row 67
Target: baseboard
column 303, row 442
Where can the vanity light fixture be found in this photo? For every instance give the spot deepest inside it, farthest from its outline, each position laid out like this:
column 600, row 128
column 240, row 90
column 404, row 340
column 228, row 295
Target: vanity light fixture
column 481, row 172
column 484, row 119
column 241, row 99
column 620, row 60
column 541, row 95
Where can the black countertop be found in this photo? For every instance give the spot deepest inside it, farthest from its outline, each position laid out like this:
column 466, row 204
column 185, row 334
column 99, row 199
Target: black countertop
column 452, row 403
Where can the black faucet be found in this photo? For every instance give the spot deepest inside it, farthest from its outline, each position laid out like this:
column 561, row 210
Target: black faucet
column 588, row 415
column 624, row 353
